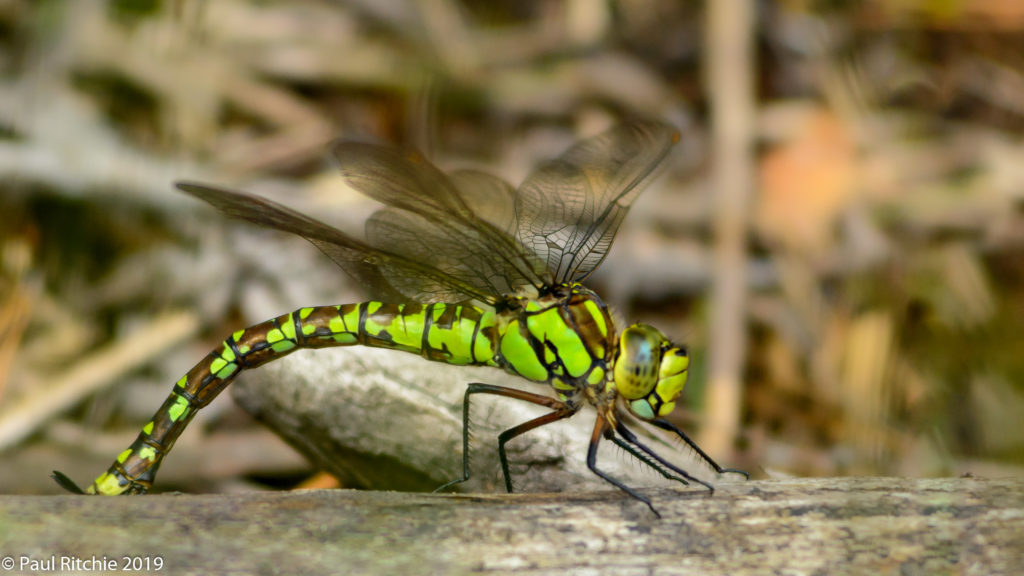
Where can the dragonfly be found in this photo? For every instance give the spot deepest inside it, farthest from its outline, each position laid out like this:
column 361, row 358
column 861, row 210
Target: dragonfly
column 468, row 270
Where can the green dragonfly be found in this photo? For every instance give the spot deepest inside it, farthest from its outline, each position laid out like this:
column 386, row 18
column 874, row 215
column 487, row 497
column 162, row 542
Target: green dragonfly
column 468, row 271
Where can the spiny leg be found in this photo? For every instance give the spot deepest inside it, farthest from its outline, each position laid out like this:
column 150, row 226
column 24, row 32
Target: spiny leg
column 601, row 429
column 560, row 410
column 646, row 459
column 523, row 428
column 666, row 425
column 628, row 436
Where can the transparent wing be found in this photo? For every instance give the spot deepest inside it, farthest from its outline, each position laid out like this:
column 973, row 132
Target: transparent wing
column 459, row 224
column 392, row 276
column 570, row 208
column 490, row 198
column 453, row 238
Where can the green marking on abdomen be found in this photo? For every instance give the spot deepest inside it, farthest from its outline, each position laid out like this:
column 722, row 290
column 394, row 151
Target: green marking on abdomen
column 179, row 409
column 456, row 334
column 346, row 339
column 283, row 346
column 288, row 326
column 395, row 326
column 148, row 453
column 106, row 483
column 224, row 365
column 483, row 346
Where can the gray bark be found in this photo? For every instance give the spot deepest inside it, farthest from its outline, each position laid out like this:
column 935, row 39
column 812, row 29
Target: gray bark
column 820, row 526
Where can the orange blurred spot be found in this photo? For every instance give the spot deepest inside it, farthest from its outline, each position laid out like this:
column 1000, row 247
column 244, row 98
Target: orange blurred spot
column 319, row 481
column 805, row 183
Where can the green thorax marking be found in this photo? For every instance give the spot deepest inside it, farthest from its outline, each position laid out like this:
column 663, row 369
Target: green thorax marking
column 564, row 338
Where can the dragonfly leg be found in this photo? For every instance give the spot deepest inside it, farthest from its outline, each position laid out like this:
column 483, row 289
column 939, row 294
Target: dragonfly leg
column 666, row 425
column 601, row 429
column 560, row 410
column 628, row 436
column 646, row 460
column 511, row 433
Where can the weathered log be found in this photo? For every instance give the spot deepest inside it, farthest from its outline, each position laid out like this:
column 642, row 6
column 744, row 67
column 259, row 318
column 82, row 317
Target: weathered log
column 803, row 526
column 388, row 420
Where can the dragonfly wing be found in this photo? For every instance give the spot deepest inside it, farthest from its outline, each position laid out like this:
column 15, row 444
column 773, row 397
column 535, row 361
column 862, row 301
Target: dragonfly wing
column 399, row 177
column 440, row 213
column 569, row 209
column 460, row 257
column 490, row 198
column 390, row 275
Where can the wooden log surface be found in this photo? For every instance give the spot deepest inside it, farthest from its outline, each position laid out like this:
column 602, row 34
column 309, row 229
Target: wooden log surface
column 872, row 526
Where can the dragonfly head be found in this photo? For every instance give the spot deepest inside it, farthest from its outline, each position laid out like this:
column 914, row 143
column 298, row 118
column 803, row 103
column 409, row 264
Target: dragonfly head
column 650, row 371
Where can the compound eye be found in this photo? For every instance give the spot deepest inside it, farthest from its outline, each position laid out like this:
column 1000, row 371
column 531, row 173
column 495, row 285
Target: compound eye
column 675, row 365
column 637, row 366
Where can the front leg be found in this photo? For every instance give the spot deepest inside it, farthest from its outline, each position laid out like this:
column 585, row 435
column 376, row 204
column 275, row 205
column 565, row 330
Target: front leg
column 631, row 438
column 666, row 425
column 602, row 429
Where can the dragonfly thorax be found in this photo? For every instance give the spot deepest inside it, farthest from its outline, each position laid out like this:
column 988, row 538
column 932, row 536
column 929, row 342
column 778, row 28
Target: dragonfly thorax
column 565, row 338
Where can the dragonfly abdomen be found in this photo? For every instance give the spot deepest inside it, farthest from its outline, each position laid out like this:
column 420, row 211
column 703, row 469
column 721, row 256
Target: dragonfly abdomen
column 441, row 332
column 450, row 333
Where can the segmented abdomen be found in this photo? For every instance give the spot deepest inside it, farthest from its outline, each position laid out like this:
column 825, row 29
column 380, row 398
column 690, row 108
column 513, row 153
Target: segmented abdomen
column 440, row 332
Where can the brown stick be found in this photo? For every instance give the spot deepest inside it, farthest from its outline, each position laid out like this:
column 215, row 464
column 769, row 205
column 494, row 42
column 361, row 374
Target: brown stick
column 730, row 79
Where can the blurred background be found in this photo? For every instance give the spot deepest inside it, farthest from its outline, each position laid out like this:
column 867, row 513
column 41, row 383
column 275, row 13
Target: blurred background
column 838, row 239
